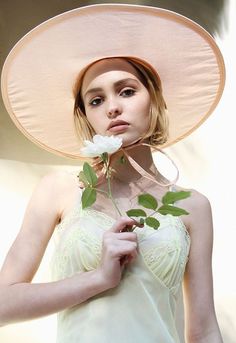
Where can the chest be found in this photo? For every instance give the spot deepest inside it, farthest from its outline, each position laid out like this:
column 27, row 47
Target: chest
column 163, row 252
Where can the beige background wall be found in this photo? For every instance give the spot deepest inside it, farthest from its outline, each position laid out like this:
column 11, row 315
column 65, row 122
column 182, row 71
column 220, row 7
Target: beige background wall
column 206, row 161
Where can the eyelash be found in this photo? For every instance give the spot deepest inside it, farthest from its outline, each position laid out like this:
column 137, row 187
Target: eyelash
column 128, row 90
column 95, row 99
column 100, row 98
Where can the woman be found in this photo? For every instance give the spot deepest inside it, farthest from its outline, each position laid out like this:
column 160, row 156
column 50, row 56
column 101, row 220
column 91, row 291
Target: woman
column 110, row 283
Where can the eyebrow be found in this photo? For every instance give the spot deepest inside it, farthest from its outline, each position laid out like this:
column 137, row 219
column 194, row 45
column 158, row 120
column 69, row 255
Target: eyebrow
column 116, row 84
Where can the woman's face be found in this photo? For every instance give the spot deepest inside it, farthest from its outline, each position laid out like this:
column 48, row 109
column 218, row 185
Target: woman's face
column 115, row 100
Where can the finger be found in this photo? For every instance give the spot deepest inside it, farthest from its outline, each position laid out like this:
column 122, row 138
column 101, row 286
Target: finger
column 123, row 244
column 128, row 236
column 128, row 258
column 130, row 228
column 120, row 224
column 125, row 248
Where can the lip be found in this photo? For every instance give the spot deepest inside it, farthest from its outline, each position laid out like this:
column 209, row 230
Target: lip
column 119, row 128
column 117, row 123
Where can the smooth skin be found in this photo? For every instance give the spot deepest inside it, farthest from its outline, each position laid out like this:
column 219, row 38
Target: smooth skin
column 56, row 195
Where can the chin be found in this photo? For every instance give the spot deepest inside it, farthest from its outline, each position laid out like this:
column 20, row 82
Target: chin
column 129, row 141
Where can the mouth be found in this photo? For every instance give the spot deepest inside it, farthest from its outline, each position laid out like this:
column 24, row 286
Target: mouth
column 118, row 126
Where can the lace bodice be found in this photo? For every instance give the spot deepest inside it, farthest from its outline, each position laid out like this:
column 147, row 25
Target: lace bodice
column 150, row 286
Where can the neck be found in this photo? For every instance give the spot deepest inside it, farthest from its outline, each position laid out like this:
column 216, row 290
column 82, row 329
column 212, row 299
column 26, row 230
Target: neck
column 125, row 172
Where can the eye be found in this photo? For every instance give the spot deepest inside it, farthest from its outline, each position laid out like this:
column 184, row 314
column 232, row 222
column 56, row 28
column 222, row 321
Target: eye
column 96, row 101
column 127, row 92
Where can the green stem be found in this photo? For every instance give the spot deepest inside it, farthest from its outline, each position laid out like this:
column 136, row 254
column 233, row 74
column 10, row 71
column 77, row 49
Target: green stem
column 110, row 193
column 156, row 211
column 100, row 190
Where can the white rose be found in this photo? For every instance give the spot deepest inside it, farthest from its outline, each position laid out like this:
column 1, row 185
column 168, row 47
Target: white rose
column 100, row 145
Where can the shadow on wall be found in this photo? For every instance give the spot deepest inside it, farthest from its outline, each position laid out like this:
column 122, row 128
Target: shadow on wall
column 15, row 22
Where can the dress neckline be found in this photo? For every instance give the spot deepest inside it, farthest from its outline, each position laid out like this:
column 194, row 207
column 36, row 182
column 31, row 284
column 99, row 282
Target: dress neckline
column 78, row 211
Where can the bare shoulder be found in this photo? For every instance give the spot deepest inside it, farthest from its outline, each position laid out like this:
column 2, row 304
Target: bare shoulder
column 59, row 178
column 42, row 214
column 198, row 206
column 52, row 194
column 60, row 184
column 197, row 201
column 58, row 181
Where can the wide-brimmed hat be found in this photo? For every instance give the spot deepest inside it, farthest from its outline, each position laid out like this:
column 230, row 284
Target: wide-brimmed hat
column 40, row 72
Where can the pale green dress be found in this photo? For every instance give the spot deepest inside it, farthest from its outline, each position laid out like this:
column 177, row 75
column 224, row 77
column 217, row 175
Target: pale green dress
column 147, row 305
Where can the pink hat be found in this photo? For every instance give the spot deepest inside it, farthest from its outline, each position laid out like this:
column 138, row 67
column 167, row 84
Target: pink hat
column 39, row 74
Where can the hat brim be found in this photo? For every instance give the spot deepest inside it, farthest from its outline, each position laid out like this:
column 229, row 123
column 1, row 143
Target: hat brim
column 39, row 74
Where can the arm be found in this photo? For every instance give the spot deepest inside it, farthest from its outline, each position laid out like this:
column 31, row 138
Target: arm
column 201, row 322
column 22, row 300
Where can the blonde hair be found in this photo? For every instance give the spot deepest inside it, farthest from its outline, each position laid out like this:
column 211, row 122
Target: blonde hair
column 158, row 130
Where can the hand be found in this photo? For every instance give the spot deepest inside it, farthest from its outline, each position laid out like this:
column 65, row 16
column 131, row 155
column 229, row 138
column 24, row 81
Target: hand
column 119, row 247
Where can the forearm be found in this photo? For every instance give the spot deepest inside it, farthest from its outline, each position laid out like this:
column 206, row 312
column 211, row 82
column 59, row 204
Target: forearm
column 213, row 335
column 25, row 301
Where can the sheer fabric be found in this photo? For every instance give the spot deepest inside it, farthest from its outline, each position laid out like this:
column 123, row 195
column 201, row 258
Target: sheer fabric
column 147, row 305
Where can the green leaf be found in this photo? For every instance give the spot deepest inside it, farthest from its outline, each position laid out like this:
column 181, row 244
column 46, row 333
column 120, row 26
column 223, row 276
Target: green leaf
column 82, row 178
column 173, row 210
column 104, row 157
column 90, row 174
column 153, row 222
column 88, row 197
column 172, row 197
column 141, row 221
column 122, row 160
column 148, row 201
column 136, row 212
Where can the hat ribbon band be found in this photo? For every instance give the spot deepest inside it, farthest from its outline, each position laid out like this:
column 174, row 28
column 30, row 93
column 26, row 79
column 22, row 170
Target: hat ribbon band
column 144, row 173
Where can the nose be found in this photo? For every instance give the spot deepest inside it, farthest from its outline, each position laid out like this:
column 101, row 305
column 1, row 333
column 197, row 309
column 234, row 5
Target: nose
column 114, row 109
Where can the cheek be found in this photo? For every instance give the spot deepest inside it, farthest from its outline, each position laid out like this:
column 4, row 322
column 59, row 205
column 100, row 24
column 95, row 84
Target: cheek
column 89, row 117
column 145, row 120
column 141, row 104
column 145, row 106
column 95, row 121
